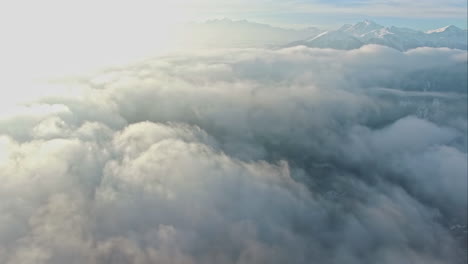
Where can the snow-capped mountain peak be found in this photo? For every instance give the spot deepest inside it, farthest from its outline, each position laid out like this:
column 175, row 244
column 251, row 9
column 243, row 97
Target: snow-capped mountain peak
column 361, row 28
column 369, row 32
column 450, row 28
column 368, row 22
column 379, row 33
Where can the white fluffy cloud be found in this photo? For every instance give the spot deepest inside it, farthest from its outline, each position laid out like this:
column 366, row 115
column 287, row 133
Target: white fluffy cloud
column 243, row 156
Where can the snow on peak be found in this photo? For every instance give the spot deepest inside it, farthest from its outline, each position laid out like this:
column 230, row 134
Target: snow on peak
column 369, row 32
column 361, row 28
column 380, row 33
column 369, row 22
column 443, row 29
column 318, row 36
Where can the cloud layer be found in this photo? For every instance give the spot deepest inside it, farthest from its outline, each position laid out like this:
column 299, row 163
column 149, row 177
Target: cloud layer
column 243, row 156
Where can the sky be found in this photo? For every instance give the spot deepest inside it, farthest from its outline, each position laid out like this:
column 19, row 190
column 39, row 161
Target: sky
column 113, row 32
column 28, row 27
column 418, row 14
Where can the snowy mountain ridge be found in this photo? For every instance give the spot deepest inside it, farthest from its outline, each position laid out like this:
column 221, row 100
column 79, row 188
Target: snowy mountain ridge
column 369, row 32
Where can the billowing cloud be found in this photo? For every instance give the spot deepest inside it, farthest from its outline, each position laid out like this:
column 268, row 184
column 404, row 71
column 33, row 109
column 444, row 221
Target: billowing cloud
column 243, row 156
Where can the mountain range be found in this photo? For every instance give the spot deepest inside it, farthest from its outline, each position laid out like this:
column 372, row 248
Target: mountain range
column 368, row 32
column 227, row 33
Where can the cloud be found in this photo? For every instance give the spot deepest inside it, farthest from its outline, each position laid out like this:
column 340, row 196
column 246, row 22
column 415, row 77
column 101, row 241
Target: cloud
column 297, row 155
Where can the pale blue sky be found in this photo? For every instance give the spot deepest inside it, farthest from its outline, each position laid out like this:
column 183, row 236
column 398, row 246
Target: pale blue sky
column 419, row 14
column 49, row 30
